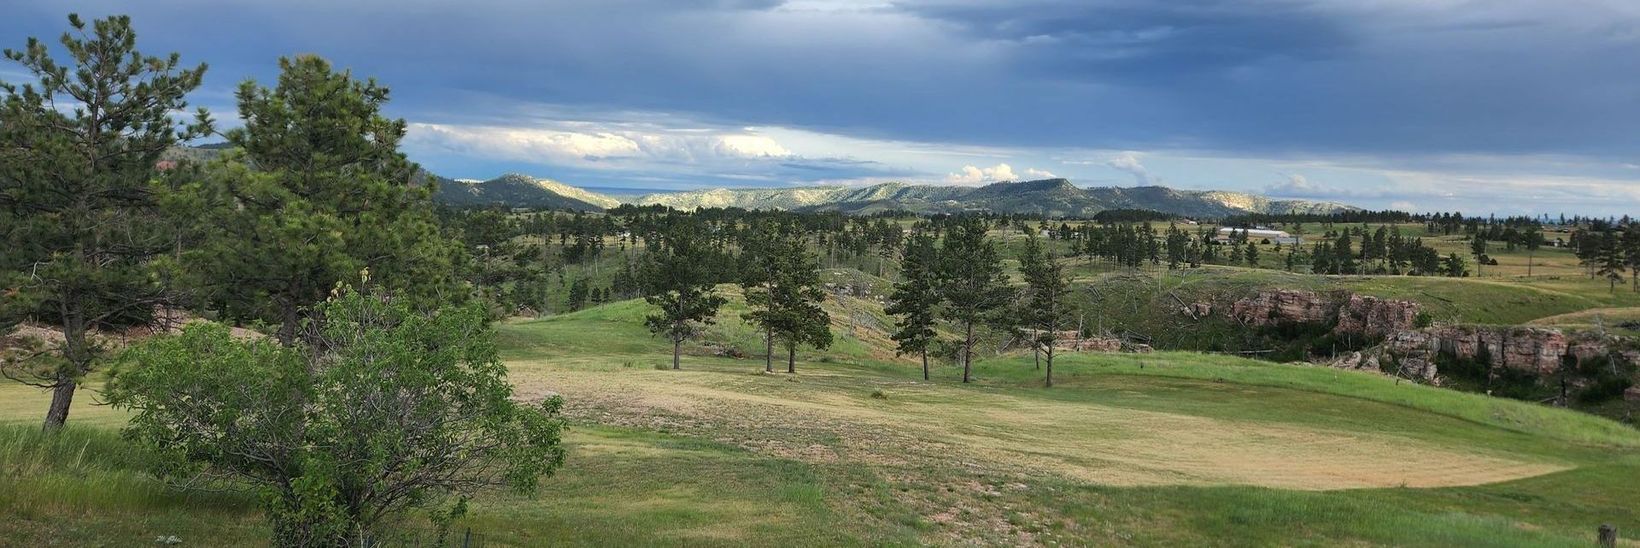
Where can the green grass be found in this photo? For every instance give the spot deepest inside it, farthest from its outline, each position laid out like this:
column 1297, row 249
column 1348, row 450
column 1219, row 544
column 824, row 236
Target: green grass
column 1170, row 448
column 85, row 486
column 623, row 487
column 1555, row 425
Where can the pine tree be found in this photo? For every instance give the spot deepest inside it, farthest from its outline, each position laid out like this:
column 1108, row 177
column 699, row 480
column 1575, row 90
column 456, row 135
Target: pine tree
column 972, row 284
column 761, row 270
column 915, row 298
column 78, row 199
column 1477, row 248
column 1587, row 248
column 1047, row 307
column 578, row 294
column 1611, row 259
column 796, row 296
column 1630, row 242
column 677, row 280
column 316, row 194
column 1252, row 255
column 1343, row 257
column 1532, row 238
column 1454, row 266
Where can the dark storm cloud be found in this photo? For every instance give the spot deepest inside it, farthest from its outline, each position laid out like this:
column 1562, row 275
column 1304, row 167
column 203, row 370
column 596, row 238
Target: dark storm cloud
column 1273, row 78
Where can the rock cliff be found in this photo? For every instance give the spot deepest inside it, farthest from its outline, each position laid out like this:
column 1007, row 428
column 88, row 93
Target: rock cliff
column 1539, row 351
column 1346, row 312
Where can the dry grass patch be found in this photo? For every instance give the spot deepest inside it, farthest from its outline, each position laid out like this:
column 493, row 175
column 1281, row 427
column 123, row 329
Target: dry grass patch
column 820, row 419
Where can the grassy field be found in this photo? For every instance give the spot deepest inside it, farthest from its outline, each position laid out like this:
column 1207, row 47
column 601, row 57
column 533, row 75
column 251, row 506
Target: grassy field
column 855, row 449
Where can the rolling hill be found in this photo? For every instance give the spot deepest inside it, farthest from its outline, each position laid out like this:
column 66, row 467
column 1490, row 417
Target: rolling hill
column 516, row 190
column 1156, row 449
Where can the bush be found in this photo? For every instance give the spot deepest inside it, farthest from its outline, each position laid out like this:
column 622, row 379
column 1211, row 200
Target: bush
column 379, row 410
column 1422, row 320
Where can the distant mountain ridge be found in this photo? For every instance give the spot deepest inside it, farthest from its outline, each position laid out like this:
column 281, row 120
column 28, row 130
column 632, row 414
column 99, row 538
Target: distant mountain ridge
column 1050, row 197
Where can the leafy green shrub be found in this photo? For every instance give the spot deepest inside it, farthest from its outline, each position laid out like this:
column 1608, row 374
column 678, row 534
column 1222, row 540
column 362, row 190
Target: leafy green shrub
column 379, row 410
column 1422, row 320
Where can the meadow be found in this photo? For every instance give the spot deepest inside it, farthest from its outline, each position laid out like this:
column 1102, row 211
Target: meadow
column 856, row 449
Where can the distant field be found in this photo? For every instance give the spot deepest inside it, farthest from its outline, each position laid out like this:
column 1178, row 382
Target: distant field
column 1159, row 449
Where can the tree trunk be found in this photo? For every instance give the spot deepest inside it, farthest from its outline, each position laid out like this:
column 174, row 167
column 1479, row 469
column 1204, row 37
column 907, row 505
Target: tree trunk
column 968, row 352
column 791, row 359
column 1036, row 354
column 290, row 320
column 677, row 349
column 77, row 352
column 1048, row 380
column 925, row 364
column 768, row 351
column 61, row 396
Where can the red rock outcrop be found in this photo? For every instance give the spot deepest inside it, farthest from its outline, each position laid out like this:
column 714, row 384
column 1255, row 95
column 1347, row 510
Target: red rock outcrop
column 1282, row 306
column 1541, row 351
column 1375, row 317
column 1347, row 312
column 1534, row 349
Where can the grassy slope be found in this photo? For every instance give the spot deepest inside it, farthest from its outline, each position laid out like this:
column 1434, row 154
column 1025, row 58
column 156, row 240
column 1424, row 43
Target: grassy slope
column 719, row 455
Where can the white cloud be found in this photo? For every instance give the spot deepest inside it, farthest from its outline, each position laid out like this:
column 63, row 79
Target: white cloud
column 1403, row 205
column 1002, row 172
column 971, row 175
column 584, row 143
column 749, row 146
column 1129, row 161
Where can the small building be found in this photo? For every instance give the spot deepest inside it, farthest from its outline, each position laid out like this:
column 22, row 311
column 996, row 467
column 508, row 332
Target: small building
column 1258, row 235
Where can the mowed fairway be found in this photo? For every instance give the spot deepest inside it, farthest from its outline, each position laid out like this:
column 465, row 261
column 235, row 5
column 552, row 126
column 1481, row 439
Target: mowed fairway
column 1105, row 436
column 961, row 461
column 856, row 449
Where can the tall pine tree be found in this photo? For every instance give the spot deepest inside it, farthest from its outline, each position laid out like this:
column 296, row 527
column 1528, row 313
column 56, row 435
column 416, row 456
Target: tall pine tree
column 79, row 220
column 795, row 300
column 316, row 194
column 972, row 284
column 677, row 280
column 1611, row 259
column 1047, row 307
column 916, row 298
column 760, row 270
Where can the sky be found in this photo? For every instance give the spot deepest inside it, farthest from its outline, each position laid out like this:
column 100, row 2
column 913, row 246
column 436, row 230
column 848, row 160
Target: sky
column 1491, row 106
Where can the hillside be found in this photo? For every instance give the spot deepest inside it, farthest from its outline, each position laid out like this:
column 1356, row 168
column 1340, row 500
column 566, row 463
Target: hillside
column 855, row 449
column 1051, row 197
column 516, row 190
